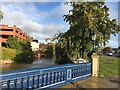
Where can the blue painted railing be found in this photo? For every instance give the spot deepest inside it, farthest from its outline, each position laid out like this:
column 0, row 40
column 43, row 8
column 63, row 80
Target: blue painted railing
column 45, row 77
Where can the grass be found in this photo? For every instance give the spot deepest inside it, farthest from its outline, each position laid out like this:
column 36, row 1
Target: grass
column 7, row 53
column 108, row 66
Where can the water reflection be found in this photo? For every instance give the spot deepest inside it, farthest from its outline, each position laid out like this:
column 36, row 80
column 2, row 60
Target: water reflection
column 36, row 63
column 44, row 62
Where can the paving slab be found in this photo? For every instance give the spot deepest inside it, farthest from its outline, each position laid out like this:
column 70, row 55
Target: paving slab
column 93, row 82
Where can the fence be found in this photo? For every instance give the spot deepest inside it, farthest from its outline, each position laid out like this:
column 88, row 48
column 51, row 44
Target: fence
column 47, row 77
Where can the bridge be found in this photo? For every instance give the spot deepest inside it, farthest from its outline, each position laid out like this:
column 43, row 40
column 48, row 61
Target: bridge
column 45, row 77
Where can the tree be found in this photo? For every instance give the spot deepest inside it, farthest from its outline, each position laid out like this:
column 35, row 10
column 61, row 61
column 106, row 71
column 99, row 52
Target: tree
column 23, row 50
column 12, row 42
column 85, row 19
column 1, row 15
column 107, row 50
column 27, row 55
column 49, row 51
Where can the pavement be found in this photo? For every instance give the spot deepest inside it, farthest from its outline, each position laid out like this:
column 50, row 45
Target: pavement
column 93, row 83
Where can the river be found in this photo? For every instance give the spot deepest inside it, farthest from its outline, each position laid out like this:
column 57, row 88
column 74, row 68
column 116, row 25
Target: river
column 37, row 63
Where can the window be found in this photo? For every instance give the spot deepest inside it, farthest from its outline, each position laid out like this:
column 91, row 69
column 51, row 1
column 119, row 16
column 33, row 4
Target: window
column 6, row 29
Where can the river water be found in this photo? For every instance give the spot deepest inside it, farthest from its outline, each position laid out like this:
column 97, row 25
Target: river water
column 37, row 63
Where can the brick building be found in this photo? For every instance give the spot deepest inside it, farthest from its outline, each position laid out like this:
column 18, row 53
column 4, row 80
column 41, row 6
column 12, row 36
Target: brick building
column 42, row 47
column 7, row 30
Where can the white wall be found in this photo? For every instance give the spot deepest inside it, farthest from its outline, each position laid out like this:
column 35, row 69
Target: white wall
column 35, row 46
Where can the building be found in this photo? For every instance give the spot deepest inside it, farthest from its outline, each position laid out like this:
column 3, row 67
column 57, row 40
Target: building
column 8, row 30
column 42, row 47
column 35, row 45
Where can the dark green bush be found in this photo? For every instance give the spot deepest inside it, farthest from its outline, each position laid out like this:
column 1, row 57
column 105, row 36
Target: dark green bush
column 26, row 55
column 61, row 56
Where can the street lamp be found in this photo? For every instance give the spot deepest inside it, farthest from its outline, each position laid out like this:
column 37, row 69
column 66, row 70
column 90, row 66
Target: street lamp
column 93, row 41
column 93, row 36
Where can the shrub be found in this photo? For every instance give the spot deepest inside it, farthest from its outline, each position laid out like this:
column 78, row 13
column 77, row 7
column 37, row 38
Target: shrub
column 61, row 56
column 12, row 43
column 25, row 54
column 22, row 51
column 8, row 54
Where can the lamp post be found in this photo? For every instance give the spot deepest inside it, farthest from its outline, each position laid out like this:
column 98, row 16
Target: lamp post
column 93, row 49
column 93, row 41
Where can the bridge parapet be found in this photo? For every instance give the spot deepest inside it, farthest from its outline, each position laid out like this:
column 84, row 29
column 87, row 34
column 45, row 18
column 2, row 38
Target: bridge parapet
column 49, row 77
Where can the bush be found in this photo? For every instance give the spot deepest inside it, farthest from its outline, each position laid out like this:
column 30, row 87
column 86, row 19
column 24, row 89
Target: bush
column 25, row 54
column 8, row 54
column 13, row 43
column 49, row 51
column 61, row 56
column 24, row 58
column 22, row 52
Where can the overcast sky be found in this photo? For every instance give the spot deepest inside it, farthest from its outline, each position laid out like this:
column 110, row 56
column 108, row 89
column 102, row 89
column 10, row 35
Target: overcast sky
column 42, row 20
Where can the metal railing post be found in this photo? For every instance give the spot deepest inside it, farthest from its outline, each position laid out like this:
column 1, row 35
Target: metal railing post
column 15, row 83
column 69, row 73
column 33, row 78
column 27, row 83
column 22, row 82
column 38, row 81
column 8, row 84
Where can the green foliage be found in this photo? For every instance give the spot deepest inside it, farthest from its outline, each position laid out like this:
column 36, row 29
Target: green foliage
column 1, row 15
column 108, row 66
column 107, row 49
column 24, row 53
column 118, row 52
column 8, row 54
column 26, row 56
column 61, row 56
column 13, row 43
column 85, row 19
column 49, row 51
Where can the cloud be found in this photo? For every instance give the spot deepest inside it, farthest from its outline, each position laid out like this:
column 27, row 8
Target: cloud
column 35, row 0
column 30, row 19
column 56, row 14
column 114, row 41
column 18, row 16
column 41, row 24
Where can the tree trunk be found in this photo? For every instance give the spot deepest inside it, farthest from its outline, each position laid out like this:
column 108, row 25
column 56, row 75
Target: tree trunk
column 83, row 48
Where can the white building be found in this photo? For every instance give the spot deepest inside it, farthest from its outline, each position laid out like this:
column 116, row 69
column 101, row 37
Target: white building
column 35, row 46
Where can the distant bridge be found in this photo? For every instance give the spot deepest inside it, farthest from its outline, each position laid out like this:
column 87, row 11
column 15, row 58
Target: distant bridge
column 45, row 77
column 37, row 56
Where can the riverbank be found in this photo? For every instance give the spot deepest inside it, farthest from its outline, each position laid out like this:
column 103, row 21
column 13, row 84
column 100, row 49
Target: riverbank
column 6, row 61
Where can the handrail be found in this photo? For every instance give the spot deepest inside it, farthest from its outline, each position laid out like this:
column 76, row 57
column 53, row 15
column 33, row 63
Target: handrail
column 46, row 78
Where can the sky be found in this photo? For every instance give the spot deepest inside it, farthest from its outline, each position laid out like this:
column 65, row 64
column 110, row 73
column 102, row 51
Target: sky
column 42, row 20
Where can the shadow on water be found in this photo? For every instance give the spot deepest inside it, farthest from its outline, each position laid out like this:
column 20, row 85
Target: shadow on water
column 36, row 63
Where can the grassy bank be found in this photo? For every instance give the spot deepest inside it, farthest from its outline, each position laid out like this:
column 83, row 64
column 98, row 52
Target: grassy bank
column 108, row 66
column 7, row 53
